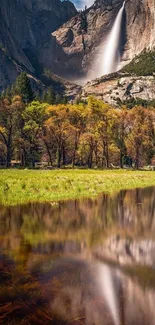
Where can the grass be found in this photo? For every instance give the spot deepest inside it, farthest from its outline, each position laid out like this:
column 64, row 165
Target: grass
column 24, row 186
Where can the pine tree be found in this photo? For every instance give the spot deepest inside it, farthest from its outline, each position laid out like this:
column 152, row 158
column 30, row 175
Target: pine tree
column 8, row 93
column 44, row 96
column 23, row 88
column 37, row 96
column 50, row 96
column 64, row 100
column 58, row 99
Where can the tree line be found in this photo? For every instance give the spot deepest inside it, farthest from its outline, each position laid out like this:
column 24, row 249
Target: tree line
column 91, row 134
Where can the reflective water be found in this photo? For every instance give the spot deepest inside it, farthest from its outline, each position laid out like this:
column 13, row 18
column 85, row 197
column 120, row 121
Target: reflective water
column 48, row 274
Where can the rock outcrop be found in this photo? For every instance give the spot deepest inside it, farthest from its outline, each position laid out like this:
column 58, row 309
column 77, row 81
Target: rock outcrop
column 120, row 87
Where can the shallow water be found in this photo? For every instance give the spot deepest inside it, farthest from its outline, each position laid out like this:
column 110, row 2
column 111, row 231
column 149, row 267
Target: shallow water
column 48, row 274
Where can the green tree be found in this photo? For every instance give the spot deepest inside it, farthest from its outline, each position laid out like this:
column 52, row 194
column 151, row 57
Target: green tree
column 23, row 88
column 48, row 96
column 33, row 117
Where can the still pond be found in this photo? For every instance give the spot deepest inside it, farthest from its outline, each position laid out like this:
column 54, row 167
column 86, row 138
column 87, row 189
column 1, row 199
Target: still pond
column 54, row 268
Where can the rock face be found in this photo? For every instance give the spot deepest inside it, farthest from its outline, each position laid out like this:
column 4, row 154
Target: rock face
column 25, row 34
column 32, row 21
column 8, row 70
column 120, row 87
column 140, row 25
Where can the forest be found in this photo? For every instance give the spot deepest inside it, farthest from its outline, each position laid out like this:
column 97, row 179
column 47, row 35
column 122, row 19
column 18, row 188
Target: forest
column 48, row 130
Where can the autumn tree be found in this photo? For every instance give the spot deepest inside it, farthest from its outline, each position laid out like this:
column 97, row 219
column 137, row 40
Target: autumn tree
column 140, row 135
column 120, row 131
column 78, row 119
column 59, row 129
column 103, row 121
column 10, row 114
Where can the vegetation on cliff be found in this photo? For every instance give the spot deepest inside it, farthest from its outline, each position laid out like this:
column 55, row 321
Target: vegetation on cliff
column 142, row 65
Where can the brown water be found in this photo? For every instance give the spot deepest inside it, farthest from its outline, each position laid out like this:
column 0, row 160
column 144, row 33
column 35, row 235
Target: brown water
column 48, row 274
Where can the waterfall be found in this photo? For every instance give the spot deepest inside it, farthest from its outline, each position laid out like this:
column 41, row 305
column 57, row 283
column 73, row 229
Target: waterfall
column 108, row 58
column 111, row 56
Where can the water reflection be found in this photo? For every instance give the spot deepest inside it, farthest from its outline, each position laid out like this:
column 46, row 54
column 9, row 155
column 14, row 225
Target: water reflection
column 43, row 278
column 72, row 291
column 72, row 225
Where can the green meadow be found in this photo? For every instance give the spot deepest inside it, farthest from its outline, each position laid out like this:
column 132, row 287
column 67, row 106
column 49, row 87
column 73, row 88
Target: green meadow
column 24, row 186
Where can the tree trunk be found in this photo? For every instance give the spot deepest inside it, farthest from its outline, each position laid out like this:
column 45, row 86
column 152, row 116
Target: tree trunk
column 48, row 152
column 106, row 154
column 23, row 157
column 64, row 156
column 137, row 158
column 9, row 150
column 121, row 159
column 8, row 156
column 90, row 158
column 59, row 158
column 77, row 136
column 96, row 154
column 73, row 157
column 32, row 156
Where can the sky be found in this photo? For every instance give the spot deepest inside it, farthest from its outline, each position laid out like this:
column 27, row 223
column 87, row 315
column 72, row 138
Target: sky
column 80, row 4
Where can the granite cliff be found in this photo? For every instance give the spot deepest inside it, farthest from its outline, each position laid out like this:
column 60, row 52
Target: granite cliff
column 25, row 35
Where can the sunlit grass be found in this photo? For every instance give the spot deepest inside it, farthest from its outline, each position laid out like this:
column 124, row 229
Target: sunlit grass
column 23, row 186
